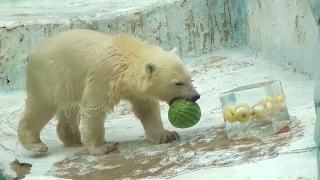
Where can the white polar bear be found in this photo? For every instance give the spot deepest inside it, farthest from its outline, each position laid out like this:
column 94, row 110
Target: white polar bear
column 86, row 73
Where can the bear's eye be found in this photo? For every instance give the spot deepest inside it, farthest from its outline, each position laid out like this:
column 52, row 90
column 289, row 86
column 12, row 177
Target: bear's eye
column 179, row 84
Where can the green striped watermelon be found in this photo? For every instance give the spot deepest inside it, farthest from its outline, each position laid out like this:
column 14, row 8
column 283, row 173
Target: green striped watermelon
column 184, row 113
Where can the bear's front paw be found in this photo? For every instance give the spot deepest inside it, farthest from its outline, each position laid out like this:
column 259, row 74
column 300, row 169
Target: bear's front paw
column 36, row 147
column 103, row 149
column 163, row 137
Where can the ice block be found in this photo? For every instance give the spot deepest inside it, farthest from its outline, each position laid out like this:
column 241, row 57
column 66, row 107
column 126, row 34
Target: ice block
column 254, row 110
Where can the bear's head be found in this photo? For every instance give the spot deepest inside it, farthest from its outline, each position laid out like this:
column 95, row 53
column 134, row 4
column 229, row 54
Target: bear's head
column 168, row 78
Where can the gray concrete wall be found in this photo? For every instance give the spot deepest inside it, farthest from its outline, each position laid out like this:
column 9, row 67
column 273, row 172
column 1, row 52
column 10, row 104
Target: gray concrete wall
column 194, row 26
column 284, row 31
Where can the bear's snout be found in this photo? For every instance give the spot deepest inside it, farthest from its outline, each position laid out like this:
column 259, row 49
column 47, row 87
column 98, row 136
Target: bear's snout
column 195, row 97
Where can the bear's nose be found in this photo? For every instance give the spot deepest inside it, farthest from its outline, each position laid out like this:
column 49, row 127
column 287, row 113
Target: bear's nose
column 195, row 98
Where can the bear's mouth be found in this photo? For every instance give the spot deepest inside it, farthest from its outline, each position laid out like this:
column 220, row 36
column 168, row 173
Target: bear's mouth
column 173, row 99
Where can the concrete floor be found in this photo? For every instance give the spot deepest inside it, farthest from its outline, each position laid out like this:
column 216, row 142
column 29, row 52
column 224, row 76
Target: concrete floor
column 203, row 151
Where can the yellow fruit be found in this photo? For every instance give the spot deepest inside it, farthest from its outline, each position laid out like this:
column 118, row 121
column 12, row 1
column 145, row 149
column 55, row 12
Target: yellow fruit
column 270, row 109
column 263, row 102
column 269, row 98
column 242, row 105
column 243, row 114
column 279, row 99
column 233, row 108
column 259, row 112
column 281, row 107
column 229, row 113
column 224, row 114
column 230, row 116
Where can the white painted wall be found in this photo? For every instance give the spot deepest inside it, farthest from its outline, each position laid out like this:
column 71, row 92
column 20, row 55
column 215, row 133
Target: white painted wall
column 286, row 31
column 195, row 27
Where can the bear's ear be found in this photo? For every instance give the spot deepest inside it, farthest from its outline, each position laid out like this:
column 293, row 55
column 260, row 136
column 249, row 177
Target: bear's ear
column 150, row 68
column 174, row 50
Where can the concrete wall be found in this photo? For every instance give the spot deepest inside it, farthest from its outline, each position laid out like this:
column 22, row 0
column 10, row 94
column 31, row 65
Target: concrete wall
column 285, row 31
column 195, row 26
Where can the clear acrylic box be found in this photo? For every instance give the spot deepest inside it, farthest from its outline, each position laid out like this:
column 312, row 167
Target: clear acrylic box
column 254, row 110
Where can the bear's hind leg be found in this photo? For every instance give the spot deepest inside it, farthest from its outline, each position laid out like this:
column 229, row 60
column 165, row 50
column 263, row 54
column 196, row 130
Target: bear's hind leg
column 68, row 128
column 148, row 111
column 36, row 115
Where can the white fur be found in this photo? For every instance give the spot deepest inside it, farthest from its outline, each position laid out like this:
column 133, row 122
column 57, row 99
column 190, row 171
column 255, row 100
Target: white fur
column 87, row 72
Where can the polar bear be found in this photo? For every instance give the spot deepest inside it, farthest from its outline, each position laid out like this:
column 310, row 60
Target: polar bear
column 83, row 74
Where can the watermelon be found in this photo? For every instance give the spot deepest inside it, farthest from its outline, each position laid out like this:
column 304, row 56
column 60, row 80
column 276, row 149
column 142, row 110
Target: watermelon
column 184, row 113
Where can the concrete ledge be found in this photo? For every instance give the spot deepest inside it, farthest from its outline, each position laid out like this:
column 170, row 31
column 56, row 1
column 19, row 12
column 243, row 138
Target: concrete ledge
column 195, row 27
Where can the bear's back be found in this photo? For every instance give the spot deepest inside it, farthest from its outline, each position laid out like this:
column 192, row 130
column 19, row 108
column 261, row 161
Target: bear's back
column 70, row 43
column 60, row 64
